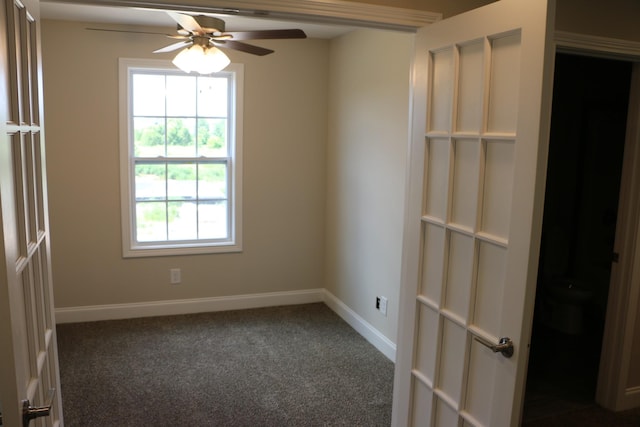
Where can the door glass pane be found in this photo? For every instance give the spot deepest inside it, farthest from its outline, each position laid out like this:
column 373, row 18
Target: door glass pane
column 445, row 415
column 422, row 401
column 465, row 183
column 482, row 374
column 503, row 92
column 470, row 87
column 437, row 178
column 432, row 262
column 492, row 262
column 498, row 186
column 441, row 91
column 459, row 274
column 427, row 342
column 452, row 360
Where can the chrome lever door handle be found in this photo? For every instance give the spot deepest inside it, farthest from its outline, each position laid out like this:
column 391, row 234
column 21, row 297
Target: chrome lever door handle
column 30, row 412
column 504, row 346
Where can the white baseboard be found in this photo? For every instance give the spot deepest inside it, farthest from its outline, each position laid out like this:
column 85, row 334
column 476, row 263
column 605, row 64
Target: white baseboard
column 364, row 328
column 237, row 302
column 631, row 399
column 185, row 306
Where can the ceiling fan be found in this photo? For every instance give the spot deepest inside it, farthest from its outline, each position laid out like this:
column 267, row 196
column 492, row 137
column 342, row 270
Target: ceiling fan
column 202, row 35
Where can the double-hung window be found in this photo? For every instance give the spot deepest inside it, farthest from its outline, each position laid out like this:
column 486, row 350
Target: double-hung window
column 180, row 159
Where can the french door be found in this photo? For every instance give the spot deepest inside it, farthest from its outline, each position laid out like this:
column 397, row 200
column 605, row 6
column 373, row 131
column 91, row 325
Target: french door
column 29, row 378
column 482, row 91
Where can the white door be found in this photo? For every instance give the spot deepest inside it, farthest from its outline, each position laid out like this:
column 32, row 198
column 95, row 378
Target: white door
column 28, row 352
column 482, row 91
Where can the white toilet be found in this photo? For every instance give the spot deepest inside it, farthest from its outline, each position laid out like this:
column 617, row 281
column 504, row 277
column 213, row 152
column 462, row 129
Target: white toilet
column 566, row 301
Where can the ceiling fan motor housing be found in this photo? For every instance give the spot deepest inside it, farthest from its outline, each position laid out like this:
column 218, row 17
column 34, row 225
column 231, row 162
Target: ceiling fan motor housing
column 208, row 23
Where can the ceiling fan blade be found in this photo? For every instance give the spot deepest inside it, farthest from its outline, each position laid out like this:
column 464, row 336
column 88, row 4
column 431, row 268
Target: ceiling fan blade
column 267, row 34
column 187, row 22
column 172, row 47
column 138, row 32
column 243, row 47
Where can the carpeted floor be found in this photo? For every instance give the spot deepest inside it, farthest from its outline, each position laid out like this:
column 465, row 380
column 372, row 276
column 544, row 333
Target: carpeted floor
column 284, row 366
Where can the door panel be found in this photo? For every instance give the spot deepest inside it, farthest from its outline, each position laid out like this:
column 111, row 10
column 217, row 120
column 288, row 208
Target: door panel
column 480, row 130
column 28, row 352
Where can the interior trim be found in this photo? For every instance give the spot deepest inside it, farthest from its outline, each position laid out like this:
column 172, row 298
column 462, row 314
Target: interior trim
column 92, row 313
column 364, row 328
column 624, row 291
column 322, row 11
column 596, row 45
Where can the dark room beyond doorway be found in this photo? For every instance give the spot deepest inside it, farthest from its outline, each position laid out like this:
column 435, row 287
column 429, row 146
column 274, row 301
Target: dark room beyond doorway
column 588, row 125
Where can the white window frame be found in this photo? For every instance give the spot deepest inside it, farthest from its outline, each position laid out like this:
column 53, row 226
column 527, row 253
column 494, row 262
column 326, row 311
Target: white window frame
column 132, row 248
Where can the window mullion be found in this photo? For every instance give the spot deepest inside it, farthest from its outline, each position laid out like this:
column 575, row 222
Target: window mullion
column 166, row 198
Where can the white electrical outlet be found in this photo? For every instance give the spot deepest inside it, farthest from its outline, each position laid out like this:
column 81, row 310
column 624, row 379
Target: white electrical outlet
column 175, row 276
column 383, row 305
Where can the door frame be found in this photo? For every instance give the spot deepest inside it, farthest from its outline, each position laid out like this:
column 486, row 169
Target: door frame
column 623, row 304
column 351, row 13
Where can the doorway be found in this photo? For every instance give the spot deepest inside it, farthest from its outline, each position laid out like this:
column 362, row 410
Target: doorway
column 588, row 126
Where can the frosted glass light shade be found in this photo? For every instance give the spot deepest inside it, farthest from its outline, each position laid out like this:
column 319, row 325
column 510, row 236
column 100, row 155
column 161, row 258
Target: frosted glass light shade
column 201, row 60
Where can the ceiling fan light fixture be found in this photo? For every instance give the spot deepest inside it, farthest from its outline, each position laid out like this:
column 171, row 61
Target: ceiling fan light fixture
column 203, row 60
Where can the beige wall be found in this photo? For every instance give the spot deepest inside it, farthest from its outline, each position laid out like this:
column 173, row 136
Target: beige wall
column 366, row 164
column 611, row 18
column 284, row 174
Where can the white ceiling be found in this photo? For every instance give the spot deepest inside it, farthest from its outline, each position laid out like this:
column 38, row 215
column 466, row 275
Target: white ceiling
column 135, row 16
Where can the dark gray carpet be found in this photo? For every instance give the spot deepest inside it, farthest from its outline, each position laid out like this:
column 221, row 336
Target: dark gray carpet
column 283, row 366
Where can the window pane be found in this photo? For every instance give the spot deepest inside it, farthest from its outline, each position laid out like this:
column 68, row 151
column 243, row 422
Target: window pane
column 182, row 221
column 212, row 97
column 212, row 137
column 212, row 181
column 213, row 220
column 148, row 95
column 181, row 137
column 181, row 96
column 181, row 181
column 148, row 135
column 151, row 220
column 151, row 182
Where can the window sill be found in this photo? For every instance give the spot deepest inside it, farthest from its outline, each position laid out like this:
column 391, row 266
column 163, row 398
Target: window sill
column 177, row 250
